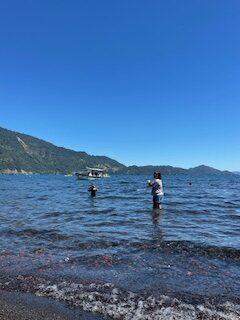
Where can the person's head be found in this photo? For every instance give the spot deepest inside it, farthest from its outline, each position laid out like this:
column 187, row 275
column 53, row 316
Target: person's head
column 157, row 175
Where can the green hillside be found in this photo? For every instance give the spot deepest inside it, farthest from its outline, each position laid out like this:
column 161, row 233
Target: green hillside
column 23, row 153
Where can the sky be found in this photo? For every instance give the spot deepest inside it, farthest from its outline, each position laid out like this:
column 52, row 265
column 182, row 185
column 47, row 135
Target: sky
column 141, row 81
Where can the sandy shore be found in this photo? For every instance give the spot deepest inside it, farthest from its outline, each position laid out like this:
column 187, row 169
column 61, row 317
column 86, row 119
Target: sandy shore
column 26, row 306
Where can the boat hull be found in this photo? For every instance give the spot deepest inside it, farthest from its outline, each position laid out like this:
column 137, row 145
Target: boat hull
column 86, row 177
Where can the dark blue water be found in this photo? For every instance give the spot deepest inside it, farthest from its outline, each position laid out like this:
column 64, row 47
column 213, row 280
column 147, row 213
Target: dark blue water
column 57, row 241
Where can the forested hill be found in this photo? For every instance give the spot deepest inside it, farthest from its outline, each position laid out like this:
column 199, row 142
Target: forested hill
column 23, row 153
column 167, row 170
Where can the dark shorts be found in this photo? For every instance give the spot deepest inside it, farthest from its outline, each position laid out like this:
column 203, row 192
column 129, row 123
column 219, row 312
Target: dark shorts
column 157, row 199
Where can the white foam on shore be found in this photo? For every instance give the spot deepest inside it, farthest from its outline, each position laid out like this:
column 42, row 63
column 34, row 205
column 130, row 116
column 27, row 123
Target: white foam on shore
column 117, row 304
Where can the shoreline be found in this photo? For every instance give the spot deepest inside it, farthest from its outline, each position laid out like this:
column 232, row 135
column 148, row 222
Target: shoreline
column 27, row 306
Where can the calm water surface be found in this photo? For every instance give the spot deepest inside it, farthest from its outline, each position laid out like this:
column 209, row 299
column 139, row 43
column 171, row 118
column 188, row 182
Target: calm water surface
column 55, row 238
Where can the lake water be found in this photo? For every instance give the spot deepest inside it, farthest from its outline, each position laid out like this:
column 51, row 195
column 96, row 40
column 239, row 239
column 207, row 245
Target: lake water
column 115, row 255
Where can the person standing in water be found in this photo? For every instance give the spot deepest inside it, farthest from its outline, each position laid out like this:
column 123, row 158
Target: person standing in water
column 93, row 190
column 157, row 189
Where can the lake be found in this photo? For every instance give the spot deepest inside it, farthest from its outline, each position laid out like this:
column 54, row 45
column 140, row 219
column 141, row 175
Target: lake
column 115, row 255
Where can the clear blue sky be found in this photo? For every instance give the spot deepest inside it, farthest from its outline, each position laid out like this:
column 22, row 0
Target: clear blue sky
column 141, row 81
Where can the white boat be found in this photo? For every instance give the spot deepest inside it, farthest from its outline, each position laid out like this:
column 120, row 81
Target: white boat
column 91, row 174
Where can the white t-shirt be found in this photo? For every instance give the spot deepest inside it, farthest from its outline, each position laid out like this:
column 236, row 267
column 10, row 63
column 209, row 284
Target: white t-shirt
column 157, row 187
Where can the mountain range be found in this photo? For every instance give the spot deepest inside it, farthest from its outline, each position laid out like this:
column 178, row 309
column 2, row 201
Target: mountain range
column 21, row 153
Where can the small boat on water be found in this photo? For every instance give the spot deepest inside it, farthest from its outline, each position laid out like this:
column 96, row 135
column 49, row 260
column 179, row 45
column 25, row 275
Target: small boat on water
column 91, row 174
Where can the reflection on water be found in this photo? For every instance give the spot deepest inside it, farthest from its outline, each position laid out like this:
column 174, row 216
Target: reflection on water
column 156, row 216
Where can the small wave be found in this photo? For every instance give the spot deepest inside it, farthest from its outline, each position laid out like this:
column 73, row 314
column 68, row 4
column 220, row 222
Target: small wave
column 61, row 213
column 119, row 197
column 54, row 214
column 43, row 198
column 76, row 245
column 231, row 204
column 41, row 234
column 111, row 301
column 188, row 246
column 232, row 216
column 109, row 210
column 178, row 247
column 125, row 182
column 185, row 247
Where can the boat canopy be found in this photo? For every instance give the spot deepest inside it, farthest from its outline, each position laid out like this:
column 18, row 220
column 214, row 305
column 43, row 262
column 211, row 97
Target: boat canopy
column 95, row 169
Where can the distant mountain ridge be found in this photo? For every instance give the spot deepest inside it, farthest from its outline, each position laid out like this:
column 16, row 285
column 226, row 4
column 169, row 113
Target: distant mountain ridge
column 204, row 170
column 196, row 171
column 21, row 153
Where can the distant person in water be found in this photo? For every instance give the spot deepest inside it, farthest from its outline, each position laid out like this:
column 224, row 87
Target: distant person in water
column 157, row 189
column 93, row 190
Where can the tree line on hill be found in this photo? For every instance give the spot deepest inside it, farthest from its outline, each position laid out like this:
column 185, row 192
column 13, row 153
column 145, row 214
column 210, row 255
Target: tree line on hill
column 21, row 153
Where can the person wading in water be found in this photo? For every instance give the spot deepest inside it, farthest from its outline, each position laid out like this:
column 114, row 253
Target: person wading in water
column 157, row 189
column 93, row 190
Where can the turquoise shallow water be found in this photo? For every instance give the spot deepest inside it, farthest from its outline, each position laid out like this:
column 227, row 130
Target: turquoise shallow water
column 52, row 231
